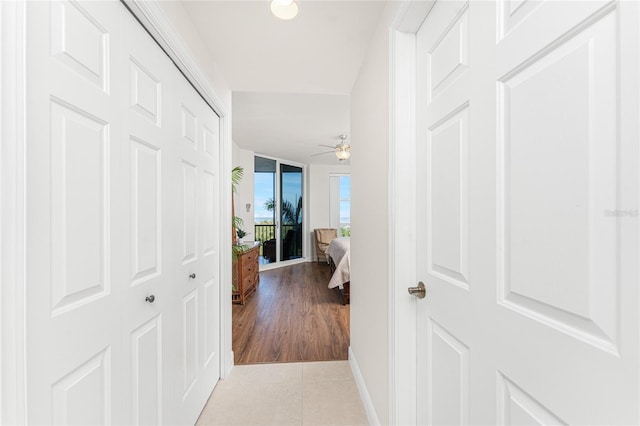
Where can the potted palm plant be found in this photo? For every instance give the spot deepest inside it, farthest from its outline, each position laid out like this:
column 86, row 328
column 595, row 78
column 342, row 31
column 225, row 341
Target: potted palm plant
column 236, row 222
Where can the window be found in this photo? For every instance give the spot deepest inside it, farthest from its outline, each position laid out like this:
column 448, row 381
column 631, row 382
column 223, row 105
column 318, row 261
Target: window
column 340, row 204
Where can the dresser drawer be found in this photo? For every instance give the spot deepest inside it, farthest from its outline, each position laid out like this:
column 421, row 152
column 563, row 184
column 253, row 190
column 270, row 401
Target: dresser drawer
column 248, row 282
column 249, row 269
column 246, row 273
column 250, row 257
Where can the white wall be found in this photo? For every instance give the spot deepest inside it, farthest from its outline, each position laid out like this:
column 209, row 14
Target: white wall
column 244, row 195
column 179, row 19
column 319, row 199
column 369, row 216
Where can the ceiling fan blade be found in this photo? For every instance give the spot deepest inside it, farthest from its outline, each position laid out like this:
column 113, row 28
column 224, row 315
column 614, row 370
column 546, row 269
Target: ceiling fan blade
column 328, row 146
column 322, row 153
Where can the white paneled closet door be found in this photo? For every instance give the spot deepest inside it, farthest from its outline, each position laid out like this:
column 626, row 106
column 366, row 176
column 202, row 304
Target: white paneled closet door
column 147, row 304
column 117, row 331
column 195, row 248
column 76, row 277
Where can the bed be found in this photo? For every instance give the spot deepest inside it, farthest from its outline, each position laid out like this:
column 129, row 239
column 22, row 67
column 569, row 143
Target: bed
column 340, row 258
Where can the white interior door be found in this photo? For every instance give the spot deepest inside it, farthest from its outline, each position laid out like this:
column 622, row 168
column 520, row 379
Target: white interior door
column 196, row 249
column 74, row 221
column 117, row 331
column 148, row 305
column 527, row 202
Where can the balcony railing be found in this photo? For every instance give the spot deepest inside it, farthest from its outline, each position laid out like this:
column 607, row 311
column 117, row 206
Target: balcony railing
column 264, row 233
column 268, row 232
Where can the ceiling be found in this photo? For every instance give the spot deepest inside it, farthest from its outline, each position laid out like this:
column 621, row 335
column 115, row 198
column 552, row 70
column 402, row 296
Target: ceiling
column 291, row 79
column 290, row 125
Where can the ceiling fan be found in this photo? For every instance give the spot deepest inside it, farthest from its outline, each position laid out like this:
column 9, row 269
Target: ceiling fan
column 341, row 149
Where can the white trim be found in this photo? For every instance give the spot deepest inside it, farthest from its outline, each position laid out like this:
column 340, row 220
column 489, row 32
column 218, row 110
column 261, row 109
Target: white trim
column 411, row 15
column 226, row 351
column 335, row 201
column 12, row 213
column 369, row 408
column 156, row 23
column 402, row 208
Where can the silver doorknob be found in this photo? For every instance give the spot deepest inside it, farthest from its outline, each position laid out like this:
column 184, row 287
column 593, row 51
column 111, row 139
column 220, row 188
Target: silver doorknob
column 420, row 291
column 192, row 276
column 150, row 298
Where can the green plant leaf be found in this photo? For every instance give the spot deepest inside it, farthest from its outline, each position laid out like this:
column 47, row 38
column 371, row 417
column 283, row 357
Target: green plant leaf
column 236, row 176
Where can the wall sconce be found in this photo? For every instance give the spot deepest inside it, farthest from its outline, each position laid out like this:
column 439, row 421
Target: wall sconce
column 248, row 206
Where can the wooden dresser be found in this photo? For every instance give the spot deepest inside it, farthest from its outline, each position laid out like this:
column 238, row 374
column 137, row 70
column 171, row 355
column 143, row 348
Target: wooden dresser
column 245, row 272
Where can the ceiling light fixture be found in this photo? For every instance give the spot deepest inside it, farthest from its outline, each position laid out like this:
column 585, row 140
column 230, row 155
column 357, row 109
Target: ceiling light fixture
column 284, row 9
column 342, row 152
column 343, row 149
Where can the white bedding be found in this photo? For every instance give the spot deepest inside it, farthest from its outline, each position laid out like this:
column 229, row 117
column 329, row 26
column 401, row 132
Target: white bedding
column 339, row 250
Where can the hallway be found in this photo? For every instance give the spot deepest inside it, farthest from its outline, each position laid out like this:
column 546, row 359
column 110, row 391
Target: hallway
column 292, row 317
column 494, row 205
column 312, row 393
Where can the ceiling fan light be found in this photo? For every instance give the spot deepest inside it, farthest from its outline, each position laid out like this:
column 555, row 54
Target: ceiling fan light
column 284, row 9
column 342, row 152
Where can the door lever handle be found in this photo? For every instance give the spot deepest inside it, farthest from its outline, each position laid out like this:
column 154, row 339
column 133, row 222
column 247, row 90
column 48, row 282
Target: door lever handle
column 419, row 291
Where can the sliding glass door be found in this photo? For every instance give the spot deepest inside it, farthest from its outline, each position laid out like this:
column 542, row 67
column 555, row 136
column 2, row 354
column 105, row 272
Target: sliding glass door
column 278, row 200
column 264, row 196
column 290, row 212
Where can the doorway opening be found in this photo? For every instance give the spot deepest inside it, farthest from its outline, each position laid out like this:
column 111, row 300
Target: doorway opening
column 293, row 316
column 279, row 212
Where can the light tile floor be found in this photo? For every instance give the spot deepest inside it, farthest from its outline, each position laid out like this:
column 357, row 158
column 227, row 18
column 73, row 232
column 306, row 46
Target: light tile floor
column 307, row 393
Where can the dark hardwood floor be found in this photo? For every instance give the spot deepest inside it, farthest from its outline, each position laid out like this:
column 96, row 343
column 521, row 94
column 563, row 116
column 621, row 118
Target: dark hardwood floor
column 292, row 317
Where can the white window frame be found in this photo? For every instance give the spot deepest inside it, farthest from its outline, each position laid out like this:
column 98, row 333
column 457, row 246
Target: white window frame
column 334, row 200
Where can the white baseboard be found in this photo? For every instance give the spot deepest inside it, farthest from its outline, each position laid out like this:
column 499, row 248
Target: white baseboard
column 362, row 388
column 227, row 368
